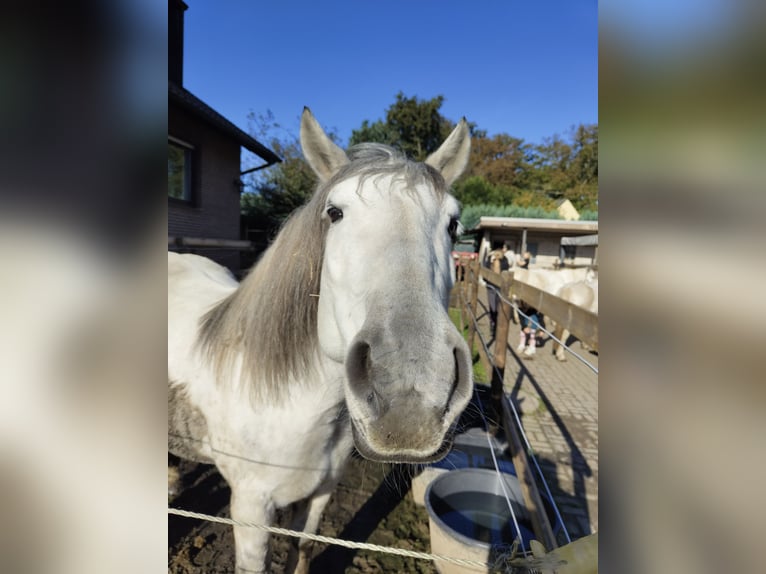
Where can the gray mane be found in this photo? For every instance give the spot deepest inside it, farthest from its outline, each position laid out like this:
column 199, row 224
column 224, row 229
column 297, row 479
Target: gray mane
column 270, row 321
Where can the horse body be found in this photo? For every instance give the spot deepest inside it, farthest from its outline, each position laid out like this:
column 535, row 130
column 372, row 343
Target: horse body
column 578, row 286
column 581, row 293
column 552, row 280
column 338, row 337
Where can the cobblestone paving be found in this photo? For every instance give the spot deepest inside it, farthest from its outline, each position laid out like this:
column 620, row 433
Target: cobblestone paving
column 558, row 403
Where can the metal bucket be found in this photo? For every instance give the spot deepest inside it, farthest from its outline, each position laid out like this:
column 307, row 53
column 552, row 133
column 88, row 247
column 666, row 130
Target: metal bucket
column 469, row 516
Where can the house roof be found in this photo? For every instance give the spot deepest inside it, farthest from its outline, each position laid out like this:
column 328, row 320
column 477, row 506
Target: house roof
column 192, row 104
column 580, row 240
column 520, row 223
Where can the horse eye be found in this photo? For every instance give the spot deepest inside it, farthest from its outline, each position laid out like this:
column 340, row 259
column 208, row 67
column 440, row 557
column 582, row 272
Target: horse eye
column 452, row 229
column 335, row 214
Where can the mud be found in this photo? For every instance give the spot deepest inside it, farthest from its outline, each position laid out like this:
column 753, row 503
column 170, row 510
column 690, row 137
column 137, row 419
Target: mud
column 372, row 503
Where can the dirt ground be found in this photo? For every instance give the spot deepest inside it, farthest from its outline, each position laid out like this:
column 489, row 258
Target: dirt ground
column 373, row 503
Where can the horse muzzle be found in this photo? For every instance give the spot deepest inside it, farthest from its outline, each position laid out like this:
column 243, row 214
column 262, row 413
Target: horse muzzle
column 403, row 400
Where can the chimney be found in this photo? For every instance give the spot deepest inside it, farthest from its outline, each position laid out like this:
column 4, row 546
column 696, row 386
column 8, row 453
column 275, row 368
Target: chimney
column 176, row 9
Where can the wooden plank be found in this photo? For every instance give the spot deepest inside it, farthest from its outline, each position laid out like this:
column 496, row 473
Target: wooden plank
column 486, row 360
column 491, row 276
column 473, row 270
column 209, row 242
column 581, row 323
column 501, row 347
column 532, row 500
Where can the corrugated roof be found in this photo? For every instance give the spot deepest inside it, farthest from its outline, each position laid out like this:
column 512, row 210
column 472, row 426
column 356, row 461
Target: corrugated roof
column 488, row 222
column 192, row 104
column 580, row 240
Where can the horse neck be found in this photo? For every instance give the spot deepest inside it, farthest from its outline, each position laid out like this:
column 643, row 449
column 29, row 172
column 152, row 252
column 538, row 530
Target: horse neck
column 275, row 309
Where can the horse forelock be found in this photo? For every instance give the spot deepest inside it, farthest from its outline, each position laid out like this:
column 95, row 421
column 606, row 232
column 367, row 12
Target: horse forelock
column 268, row 327
column 371, row 160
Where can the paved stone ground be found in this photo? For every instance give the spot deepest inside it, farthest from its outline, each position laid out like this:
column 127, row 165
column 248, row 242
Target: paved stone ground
column 558, row 403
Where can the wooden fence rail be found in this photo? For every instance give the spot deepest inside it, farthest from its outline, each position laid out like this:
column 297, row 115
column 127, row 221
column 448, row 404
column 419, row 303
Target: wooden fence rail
column 582, row 323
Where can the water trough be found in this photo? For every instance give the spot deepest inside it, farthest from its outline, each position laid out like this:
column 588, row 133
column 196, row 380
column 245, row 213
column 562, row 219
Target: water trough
column 469, row 515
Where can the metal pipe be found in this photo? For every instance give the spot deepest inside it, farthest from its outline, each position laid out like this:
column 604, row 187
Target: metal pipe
column 258, row 168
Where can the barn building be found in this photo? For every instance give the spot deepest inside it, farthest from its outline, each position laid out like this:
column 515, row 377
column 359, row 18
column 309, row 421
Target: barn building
column 551, row 242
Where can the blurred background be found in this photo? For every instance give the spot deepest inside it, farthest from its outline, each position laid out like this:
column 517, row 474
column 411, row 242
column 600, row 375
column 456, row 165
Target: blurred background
column 82, row 239
column 83, row 130
column 681, row 92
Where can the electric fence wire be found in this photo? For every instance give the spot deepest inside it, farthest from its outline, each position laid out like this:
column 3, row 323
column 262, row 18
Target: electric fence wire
column 529, row 449
column 544, row 330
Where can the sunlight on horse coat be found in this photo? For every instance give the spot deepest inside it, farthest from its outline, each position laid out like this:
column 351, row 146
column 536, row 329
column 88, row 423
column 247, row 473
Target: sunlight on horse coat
column 275, row 385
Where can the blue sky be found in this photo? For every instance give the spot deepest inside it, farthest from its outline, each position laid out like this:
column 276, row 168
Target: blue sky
column 529, row 69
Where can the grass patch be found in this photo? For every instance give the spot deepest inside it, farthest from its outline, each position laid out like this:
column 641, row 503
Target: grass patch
column 479, row 374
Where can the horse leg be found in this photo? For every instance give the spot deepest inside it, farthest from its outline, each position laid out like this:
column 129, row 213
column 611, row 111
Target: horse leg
column 174, row 476
column 563, row 335
column 558, row 333
column 306, row 518
column 251, row 544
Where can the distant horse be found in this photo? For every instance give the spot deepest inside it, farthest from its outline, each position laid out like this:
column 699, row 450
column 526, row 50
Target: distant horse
column 583, row 294
column 338, row 337
column 578, row 286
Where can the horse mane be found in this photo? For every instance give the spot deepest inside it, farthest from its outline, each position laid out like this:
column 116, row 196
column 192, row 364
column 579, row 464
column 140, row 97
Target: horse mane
column 268, row 326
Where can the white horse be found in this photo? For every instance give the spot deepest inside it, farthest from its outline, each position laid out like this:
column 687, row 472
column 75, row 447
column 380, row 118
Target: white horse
column 552, row 280
column 578, row 286
column 338, row 337
column 583, row 294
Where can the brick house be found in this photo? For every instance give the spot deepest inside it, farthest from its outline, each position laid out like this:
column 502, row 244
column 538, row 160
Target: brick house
column 204, row 166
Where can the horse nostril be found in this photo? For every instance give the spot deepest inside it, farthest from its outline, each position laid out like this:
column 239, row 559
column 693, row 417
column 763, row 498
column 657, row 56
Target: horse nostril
column 461, row 382
column 358, row 365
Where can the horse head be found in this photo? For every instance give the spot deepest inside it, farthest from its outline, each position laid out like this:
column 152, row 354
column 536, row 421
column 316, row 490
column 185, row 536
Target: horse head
column 385, row 280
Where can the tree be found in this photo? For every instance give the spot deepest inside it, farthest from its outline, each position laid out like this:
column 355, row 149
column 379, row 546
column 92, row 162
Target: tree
column 273, row 194
column 502, row 160
column 476, row 190
column 378, row 132
column 502, row 170
column 414, row 126
column 584, row 168
column 550, row 166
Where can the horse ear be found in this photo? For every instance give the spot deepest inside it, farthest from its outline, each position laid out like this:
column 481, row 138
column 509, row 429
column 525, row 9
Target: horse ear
column 452, row 157
column 324, row 157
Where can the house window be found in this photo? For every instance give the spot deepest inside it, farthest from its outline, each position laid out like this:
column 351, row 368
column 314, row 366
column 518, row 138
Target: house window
column 179, row 170
column 570, row 251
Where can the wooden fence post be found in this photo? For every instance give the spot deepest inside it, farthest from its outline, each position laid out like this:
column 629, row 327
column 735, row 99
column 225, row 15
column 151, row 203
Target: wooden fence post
column 501, row 345
column 461, row 293
column 529, row 491
column 474, row 271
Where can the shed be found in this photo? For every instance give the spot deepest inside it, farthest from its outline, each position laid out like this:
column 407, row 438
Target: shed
column 541, row 237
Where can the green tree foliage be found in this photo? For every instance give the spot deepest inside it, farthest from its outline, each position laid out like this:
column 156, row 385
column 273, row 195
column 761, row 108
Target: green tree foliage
column 506, row 175
column 476, row 190
column 273, row 194
column 583, row 193
column 414, row 126
column 378, row 132
column 470, row 215
column 501, row 159
column 507, row 170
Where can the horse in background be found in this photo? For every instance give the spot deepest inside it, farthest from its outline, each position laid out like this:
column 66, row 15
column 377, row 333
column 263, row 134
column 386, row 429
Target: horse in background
column 578, row 286
column 584, row 294
column 317, row 351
